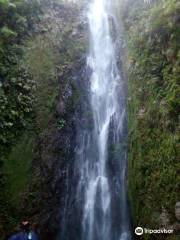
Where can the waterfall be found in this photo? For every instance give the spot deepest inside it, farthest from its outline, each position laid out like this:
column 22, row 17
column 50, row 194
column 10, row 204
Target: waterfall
column 99, row 205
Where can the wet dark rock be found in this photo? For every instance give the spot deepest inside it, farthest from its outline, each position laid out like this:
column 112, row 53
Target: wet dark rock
column 55, row 156
column 55, row 147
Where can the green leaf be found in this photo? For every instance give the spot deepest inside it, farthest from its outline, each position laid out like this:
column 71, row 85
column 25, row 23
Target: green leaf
column 7, row 33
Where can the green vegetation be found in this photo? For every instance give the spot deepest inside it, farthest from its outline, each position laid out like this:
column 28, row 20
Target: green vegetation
column 42, row 63
column 15, row 81
column 36, row 48
column 153, row 42
column 16, row 96
column 22, row 59
column 61, row 123
column 18, row 167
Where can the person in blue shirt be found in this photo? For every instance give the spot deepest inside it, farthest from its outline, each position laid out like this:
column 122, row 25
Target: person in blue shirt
column 25, row 234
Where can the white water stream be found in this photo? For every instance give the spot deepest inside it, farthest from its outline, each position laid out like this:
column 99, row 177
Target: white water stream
column 105, row 84
column 98, row 209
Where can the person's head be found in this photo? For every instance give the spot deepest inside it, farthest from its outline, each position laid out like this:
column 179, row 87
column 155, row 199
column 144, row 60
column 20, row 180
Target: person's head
column 25, row 226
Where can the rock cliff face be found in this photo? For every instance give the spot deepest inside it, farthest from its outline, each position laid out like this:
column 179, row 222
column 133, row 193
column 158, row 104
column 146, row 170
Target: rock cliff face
column 55, row 156
column 153, row 62
column 56, row 144
column 55, row 57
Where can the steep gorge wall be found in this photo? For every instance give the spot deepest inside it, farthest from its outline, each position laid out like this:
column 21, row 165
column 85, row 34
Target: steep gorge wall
column 35, row 168
column 153, row 64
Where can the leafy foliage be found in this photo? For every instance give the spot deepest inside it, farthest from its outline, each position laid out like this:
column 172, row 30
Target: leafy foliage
column 36, row 49
column 61, row 123
column 16, row 84
column 15, row 81
column 153, row 39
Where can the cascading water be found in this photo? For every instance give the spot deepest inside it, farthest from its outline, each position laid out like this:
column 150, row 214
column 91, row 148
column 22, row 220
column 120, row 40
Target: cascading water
column 100, row 206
